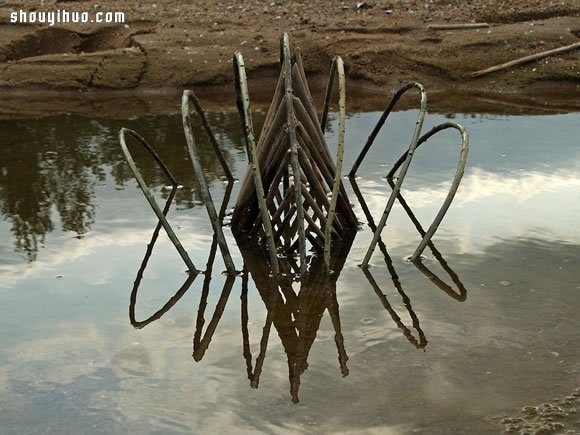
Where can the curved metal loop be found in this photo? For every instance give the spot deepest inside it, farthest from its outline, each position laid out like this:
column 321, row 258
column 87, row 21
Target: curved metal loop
column 296, row 171
column 336, row 68
column 421, row 341
column 454, row 186
column 160, row 214
column 384, row 116
column 189, row 281
column 243, row 103
column 198, row 171
column 462, row 295
column 201, row 113
column 201, row 344
column 406, row 163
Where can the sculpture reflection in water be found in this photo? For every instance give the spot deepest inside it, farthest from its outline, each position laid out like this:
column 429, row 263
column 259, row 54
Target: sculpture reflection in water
column 421, row 341
column 295, row 315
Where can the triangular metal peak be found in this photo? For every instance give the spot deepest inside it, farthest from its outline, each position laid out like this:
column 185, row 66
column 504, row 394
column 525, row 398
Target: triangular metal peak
column 296, row 169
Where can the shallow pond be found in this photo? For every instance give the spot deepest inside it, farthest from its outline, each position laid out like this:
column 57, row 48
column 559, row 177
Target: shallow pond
column 487, row 326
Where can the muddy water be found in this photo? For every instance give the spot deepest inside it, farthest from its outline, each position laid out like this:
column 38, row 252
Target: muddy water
column 486, row 326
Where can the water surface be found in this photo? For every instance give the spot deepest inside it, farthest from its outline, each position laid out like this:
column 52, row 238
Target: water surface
column 421, row 359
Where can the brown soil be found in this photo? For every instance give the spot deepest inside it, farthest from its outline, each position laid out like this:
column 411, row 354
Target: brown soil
column 384, row 43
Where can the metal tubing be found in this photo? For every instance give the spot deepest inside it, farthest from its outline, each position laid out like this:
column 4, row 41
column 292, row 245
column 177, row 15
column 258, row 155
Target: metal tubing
column 287, row 72
column 198, row 171
column 243, row 100
column 454, row 186
column 337, row 67
column 149, row 197
column 406, row 163
column 384, row 117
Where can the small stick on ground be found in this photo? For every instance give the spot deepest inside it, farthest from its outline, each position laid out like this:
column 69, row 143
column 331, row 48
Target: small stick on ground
column 523, row 60
column 458, row 26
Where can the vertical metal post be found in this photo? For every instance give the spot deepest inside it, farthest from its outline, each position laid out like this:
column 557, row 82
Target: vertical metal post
column 296, row 171
column 243, row 100
column 337, row 67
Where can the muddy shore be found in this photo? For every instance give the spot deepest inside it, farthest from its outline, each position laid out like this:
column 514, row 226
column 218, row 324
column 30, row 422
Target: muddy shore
column 167, row 46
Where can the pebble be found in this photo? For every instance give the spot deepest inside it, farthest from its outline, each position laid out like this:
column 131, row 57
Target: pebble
column 505, row 283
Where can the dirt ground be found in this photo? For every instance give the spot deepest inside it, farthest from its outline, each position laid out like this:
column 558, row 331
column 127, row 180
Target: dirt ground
column 384, row 43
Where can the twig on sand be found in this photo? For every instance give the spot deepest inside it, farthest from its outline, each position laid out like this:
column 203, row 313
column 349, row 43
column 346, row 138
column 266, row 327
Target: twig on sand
column 523, row 60
column 458, row 26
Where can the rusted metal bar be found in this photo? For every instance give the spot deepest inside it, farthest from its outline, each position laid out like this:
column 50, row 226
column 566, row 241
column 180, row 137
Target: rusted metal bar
column 201, row 113
column 328, row 94
column 422, row 341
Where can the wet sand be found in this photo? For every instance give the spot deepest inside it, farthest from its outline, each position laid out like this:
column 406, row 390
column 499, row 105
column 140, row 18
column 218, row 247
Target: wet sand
column 168, row 45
